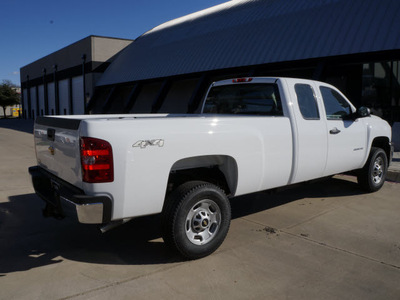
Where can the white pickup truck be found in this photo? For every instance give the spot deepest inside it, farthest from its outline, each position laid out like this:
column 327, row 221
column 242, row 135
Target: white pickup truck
column 252, row 134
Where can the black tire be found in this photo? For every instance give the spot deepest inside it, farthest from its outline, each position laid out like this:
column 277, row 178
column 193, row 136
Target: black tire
column 372, row 176
column 196, row 219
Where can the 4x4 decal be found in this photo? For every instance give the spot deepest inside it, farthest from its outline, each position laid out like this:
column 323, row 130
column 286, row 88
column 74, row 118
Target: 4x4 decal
column 145, row 143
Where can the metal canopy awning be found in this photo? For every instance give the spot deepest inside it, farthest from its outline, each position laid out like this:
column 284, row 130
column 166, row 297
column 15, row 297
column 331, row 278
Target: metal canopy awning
column 245, row 33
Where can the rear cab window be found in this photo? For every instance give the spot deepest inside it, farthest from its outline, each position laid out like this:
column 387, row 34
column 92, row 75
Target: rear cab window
column 244, row 99
column 307, row 101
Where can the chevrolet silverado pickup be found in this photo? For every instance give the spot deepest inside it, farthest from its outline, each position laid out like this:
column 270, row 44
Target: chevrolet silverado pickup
column 252, row 134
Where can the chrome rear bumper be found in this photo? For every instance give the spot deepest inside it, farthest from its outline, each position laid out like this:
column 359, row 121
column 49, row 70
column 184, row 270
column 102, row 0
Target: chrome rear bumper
column 60, row 195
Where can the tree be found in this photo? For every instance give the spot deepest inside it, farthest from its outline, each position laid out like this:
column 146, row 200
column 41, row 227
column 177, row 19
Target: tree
column 8, row 95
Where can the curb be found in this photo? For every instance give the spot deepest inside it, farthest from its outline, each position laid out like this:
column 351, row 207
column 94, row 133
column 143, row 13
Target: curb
column 393, row 176
column 393, row 173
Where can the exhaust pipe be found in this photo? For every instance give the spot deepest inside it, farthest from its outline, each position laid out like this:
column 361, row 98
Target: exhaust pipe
column 113, row 225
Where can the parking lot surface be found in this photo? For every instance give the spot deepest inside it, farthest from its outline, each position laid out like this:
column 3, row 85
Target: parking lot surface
column 325, row 240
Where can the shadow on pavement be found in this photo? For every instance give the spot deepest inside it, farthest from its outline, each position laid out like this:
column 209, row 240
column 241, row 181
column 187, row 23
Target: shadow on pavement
column 27, row 240
column 324, row 188
column 17, row 124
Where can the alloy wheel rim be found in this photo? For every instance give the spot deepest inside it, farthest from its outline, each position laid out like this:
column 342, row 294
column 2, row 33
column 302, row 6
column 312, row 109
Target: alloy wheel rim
column 378, row 170
column 203, row 222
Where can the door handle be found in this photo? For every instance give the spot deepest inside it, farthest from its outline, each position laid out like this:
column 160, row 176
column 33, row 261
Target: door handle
column 334, row 131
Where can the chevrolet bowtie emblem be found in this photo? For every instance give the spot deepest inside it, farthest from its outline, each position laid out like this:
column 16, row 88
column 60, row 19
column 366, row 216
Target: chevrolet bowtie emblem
column 51, row 150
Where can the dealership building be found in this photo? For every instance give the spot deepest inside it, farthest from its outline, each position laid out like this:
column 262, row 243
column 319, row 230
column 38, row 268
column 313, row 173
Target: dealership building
column 354, row 45
column 62, row 82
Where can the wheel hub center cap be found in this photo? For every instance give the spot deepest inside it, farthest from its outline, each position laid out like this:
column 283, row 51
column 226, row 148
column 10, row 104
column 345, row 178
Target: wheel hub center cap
column 201, row 221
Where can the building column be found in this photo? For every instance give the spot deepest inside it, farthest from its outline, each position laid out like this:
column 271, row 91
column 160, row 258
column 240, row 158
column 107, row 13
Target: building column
column 84, row 83
column 56, row 94
column 28, row 101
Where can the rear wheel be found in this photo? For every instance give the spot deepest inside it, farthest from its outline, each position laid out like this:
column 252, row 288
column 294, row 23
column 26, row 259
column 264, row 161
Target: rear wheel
column 196, row 219
column 372, row 176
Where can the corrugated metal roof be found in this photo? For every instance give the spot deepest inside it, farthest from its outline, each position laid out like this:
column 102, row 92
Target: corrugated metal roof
column 251, row 32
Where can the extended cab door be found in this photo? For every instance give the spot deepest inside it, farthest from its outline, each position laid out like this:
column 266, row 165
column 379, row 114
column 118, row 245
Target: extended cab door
column 346, row 136
column 310, row 138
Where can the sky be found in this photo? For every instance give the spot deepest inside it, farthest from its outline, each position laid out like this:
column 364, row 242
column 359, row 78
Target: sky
column 30, row 29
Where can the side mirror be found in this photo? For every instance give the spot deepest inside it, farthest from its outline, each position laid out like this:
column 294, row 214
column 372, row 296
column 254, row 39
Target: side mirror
column 363, row 112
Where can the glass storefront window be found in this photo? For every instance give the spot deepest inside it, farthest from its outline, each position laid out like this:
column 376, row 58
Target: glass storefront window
column 381, row 89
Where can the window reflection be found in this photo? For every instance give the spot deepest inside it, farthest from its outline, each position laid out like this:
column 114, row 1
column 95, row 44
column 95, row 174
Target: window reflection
column 381, row 89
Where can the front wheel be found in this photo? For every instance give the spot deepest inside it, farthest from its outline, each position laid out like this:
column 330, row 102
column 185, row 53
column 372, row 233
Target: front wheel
column 196, row 219
column 372, row 176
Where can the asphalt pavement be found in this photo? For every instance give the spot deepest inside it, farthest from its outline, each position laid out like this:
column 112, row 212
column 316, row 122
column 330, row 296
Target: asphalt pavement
column 325, row 240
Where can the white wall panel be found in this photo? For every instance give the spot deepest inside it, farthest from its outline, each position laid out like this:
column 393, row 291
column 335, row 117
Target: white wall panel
column 77, row 96
column 33, row 102
column 52, row 98
column 41, row 100
column 25, row 106
column 63, row 92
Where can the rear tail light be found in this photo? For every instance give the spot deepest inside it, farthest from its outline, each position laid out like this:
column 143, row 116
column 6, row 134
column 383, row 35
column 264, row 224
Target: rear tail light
column 248, row 79
column 96, row 160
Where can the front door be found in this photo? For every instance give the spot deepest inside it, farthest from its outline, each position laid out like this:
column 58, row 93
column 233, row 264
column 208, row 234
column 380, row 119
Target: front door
column 347, row 137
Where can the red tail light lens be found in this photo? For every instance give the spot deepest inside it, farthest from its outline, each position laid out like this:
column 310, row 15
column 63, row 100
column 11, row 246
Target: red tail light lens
column 242, row 80
column 96, row 160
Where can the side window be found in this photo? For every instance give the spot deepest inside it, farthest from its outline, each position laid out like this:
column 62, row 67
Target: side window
column 336, row 106
column 307, row 102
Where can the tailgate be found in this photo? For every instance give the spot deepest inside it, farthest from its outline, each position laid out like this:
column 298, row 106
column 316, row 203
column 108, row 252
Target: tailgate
column 58, row 149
